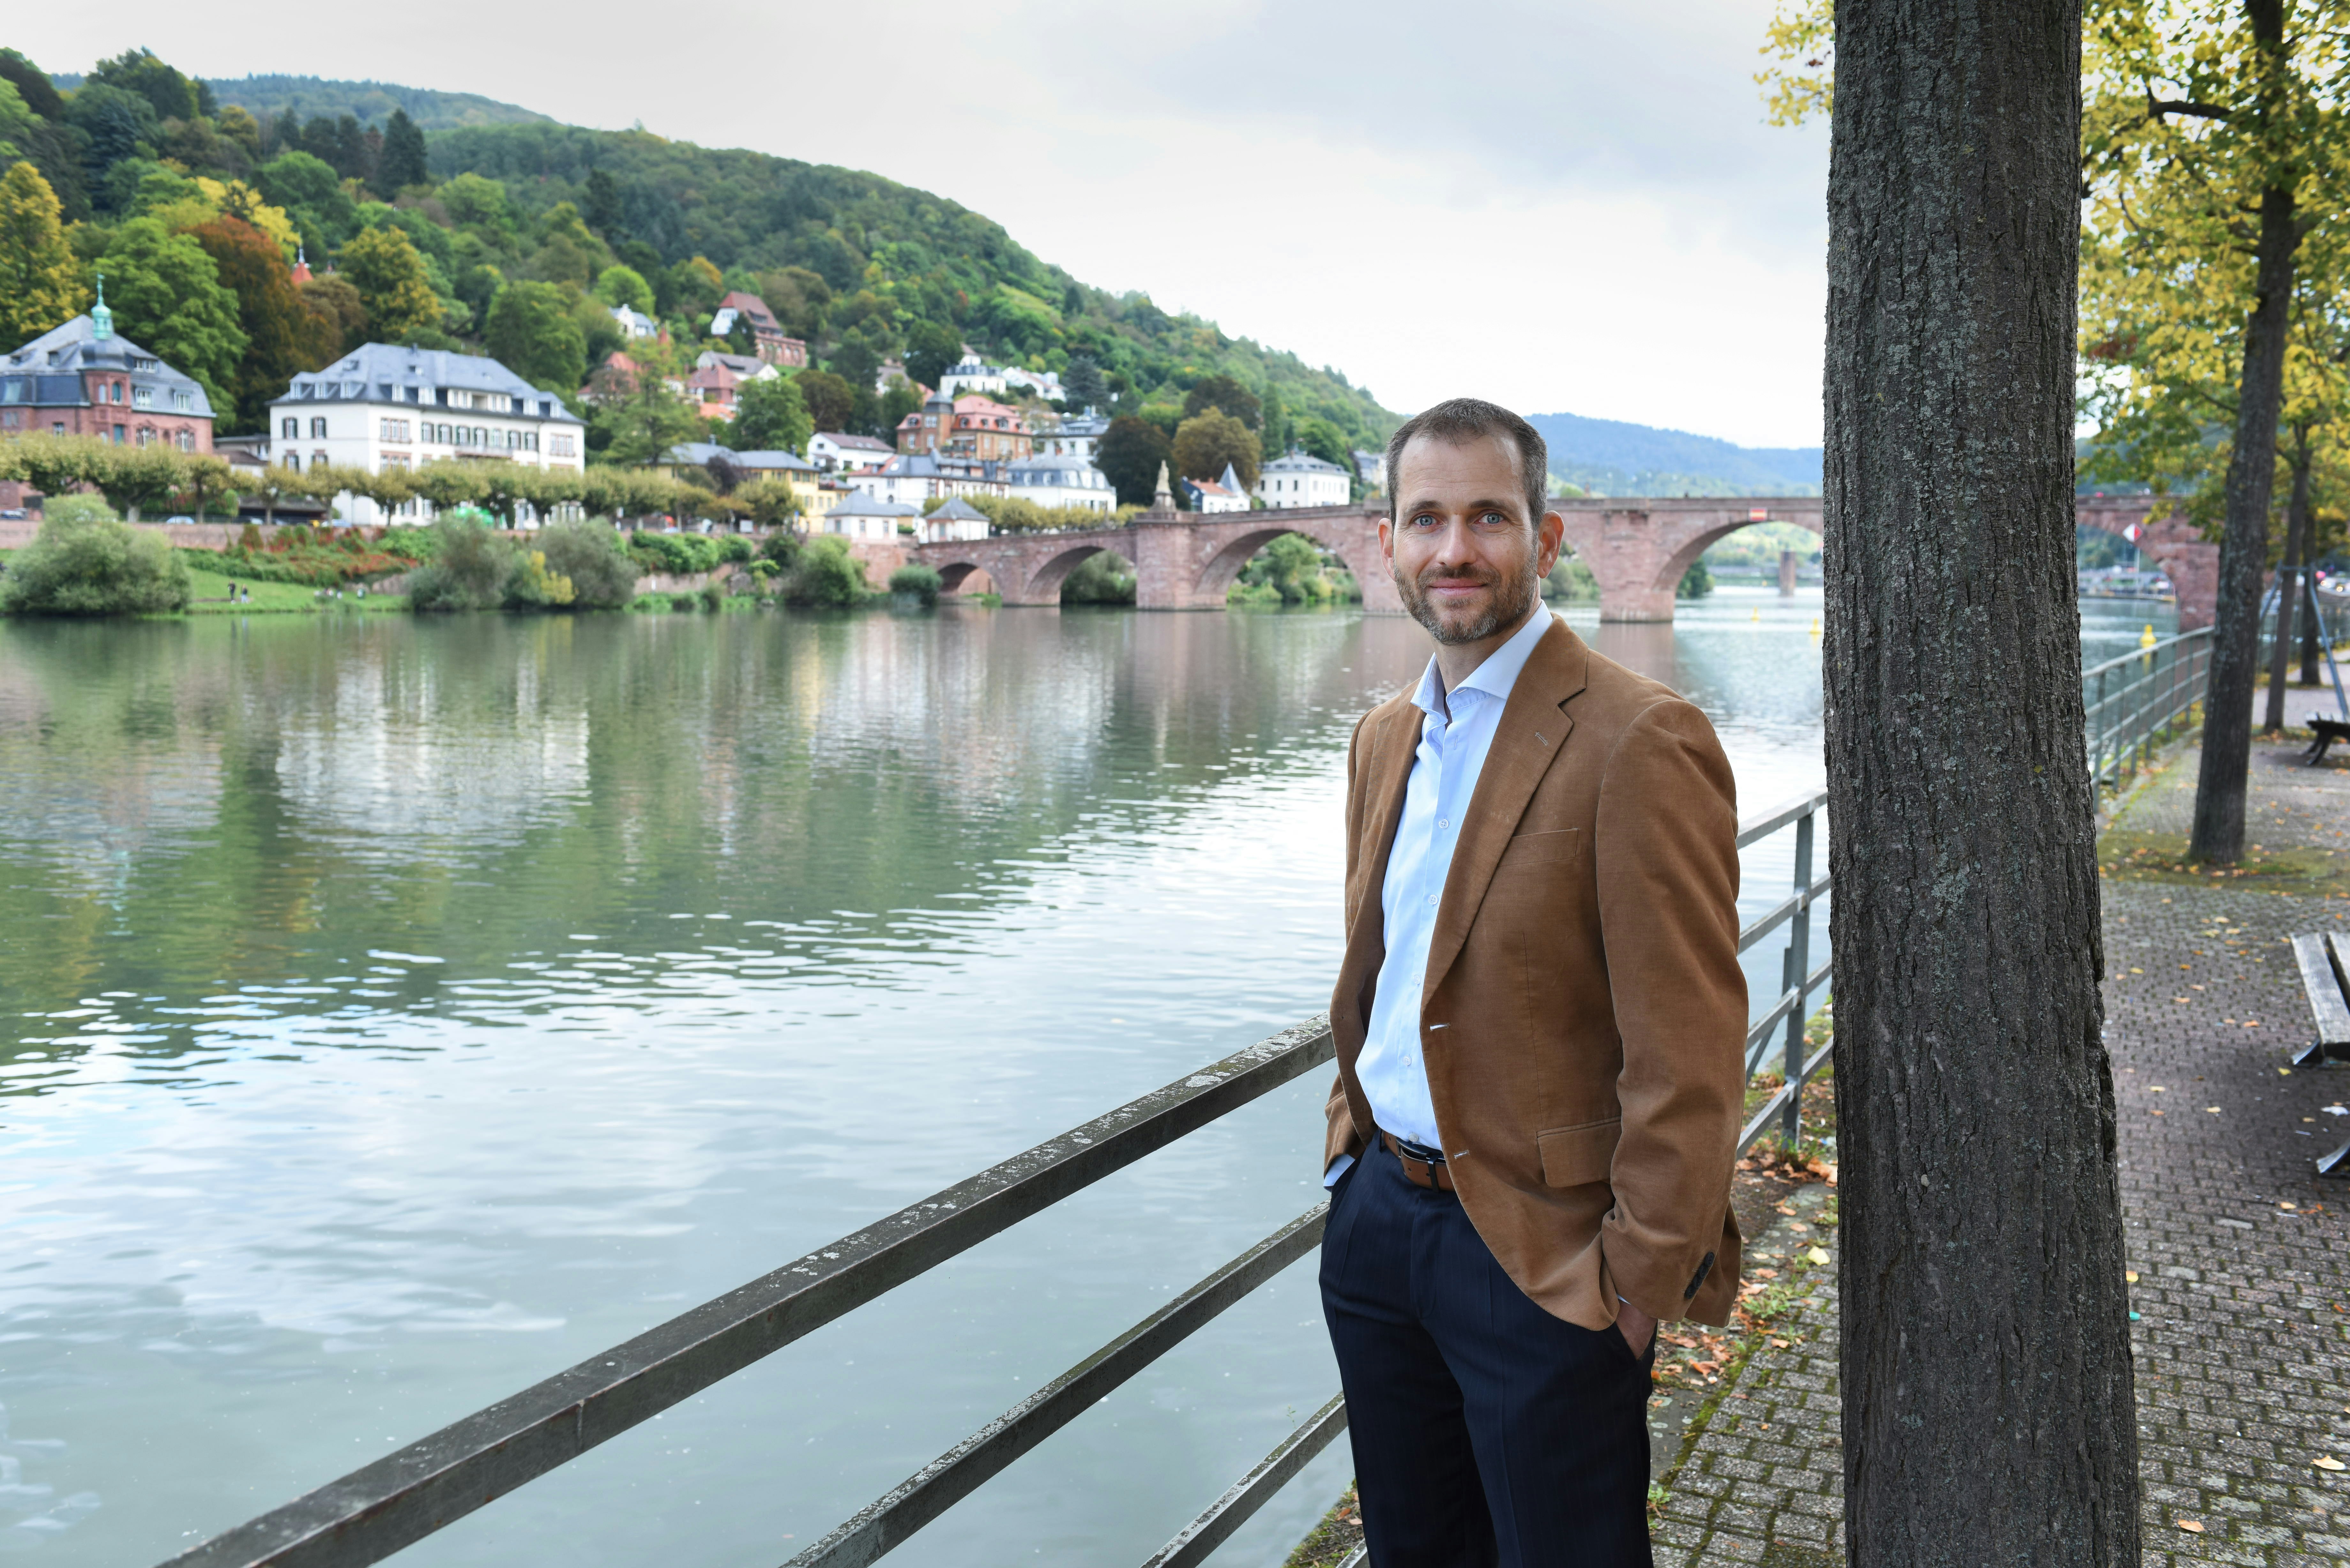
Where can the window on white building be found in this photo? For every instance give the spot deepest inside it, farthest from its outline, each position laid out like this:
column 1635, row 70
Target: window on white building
column 317, row 460
column 317, row 427
column 142, row 397
column 184, row 399
column 289, row 427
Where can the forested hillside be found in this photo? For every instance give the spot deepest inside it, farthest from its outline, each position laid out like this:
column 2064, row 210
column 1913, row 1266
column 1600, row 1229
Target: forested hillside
column 517, row 239
column 1612, row 458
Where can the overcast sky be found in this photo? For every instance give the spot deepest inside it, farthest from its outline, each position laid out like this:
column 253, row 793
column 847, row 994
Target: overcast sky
column 1564, row 206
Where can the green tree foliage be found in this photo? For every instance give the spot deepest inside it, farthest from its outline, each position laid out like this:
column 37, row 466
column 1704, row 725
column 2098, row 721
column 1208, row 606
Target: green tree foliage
column 312, row 194
column 591, row 555
column 831, row 402
column 47, row 141
column 384, row 266
column 40, row 285
column 1083, row 382
column 642, row 426
column 771, row 415
column 1104, row 578
column 1223, row 392
column 1321, row 439
column 171, row 95
column 117, row 128
column 932, row 348
column 919, row 581
column 617, row 284
column 85, row 561
column 401, row 163
column 166, row 296
column 769, row 503
column 281, row 337
column 827, row 576
column 1128, row 456
column 531, row 332
column 338, row 315
column 1289, row 571
column 1207, row 441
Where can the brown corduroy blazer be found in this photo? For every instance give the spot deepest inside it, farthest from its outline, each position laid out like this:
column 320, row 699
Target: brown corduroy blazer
column 1584, row 1020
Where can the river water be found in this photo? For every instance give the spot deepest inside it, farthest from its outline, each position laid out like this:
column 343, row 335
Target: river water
column 398, row 1011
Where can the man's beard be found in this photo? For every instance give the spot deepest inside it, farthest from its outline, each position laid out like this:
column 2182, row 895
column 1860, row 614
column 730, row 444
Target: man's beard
column 1510, row 602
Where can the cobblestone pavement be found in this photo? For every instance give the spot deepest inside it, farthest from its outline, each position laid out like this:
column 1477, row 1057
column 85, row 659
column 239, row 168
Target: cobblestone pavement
column 2241, row 1256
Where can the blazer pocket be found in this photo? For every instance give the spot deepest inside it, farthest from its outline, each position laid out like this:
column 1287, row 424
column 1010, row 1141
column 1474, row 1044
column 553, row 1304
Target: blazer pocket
column 1550, row 849
column 1575, row 1157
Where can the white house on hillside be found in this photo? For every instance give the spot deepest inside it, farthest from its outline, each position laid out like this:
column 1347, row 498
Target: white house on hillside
column 867, row 517
column 835, row 452
column 1079, row 435
column 1299, row 479
column 635, row 323
column 1212, row 495
column 958, row 519
column 914, row 477
column 382, row 406
column 1063, row 481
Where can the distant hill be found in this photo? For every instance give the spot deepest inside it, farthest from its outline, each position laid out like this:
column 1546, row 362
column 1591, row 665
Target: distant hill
column 370, row 103
column 1610, row 457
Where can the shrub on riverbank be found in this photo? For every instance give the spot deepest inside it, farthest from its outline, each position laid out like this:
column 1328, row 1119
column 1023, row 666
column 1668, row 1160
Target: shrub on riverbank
column 602, row 574
column 88, row 561
column 825, row 575
column 1571, row 581
column 922, row 582
column 313, row 557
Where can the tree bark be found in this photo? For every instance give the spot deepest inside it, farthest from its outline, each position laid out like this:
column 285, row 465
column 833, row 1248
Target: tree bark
column 1988, row 1405
column 2296, row 554
column 2218, row 831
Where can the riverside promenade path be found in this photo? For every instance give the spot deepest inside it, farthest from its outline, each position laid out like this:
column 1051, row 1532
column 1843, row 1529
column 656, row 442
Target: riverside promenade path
column 2241, row 1256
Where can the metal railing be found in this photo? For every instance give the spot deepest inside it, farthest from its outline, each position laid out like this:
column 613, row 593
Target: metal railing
column 380, row 1508
column 2136, row 703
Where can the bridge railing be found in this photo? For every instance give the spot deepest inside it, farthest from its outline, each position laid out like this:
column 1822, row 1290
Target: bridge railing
column 2135, row 703
column 397, row 1501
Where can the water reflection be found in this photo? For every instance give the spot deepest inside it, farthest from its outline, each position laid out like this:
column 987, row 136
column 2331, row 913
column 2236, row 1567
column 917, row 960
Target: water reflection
column 402, row 1010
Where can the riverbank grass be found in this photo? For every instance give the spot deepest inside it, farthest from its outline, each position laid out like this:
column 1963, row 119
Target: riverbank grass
column 209, row 595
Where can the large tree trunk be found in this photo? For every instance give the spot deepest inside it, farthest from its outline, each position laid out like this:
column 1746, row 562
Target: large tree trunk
column 2219, row 834
column 2297, row 529
column 1987, row 1407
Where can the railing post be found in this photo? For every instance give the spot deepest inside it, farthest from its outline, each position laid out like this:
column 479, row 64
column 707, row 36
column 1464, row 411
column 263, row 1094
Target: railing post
column 1799, row 966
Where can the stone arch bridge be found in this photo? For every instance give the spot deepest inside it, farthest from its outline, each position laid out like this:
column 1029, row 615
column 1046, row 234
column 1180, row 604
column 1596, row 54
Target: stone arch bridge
column 1638, row 548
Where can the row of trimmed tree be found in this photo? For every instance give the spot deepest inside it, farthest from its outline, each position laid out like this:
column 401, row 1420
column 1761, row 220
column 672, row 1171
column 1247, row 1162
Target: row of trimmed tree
column 156, row 479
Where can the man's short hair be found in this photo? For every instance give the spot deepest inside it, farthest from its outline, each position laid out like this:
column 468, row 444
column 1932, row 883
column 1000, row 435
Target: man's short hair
column 1457, row 420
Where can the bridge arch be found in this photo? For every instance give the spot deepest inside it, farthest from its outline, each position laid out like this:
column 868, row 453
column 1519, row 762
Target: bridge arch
column 963, row 577
column 1044, row 585
column 1676, row 565
column 1224, row 568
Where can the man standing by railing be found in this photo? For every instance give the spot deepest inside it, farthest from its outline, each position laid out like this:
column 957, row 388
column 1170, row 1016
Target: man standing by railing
column 1540, row 1025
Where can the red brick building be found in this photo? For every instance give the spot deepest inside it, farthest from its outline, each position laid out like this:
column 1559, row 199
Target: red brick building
column 970, row 426
column 767, row 339
column 81, row 380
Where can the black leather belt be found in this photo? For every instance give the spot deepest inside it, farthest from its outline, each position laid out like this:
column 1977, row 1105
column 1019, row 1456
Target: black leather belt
column 1422, row 1166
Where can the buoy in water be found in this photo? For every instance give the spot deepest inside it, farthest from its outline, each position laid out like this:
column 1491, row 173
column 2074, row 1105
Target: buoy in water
column 1815, row 626
column 2146, row 639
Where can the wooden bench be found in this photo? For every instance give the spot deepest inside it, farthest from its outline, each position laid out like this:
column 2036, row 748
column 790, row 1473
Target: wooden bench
column 2329, row 729
column 2324, row 961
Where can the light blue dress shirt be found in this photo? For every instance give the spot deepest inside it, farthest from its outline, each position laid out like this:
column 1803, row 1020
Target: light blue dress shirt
column 1456, row 731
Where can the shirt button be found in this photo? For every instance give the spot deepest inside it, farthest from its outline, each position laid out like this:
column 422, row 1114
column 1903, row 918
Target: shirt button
column 1432, row 899
column 1441, row 822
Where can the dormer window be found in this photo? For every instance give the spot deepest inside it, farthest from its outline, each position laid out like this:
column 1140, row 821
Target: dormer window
column 142, row 397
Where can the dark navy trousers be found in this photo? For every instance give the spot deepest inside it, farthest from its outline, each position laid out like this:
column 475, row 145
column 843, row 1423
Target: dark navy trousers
column 1486, row 1431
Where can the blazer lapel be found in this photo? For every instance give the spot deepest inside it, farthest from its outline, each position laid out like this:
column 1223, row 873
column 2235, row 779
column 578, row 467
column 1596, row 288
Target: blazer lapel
column 1394, row 742
column 1533, row 731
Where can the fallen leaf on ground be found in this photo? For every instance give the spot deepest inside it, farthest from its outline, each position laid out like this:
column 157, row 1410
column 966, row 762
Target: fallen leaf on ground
column 2131, row 1276
column 1817, row 1255
column 2189, row 1524
column 2327, row 1462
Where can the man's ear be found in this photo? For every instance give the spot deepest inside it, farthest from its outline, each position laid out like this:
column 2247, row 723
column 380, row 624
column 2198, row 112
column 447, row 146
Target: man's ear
column 1550, row 536
column 1386, row 542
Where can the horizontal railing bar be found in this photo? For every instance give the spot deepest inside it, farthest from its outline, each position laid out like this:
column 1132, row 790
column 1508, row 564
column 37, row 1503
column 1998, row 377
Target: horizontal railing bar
column 2178, row 643
column 1786, row 909
column 1758, row 1037
column 1778, row 1101
column 890, row 1520
column 1196, row 1540
column 375, row 1511
column 1779, row 816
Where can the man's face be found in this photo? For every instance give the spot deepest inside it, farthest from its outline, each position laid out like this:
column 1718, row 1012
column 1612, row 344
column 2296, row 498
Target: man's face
column 1468, row 561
